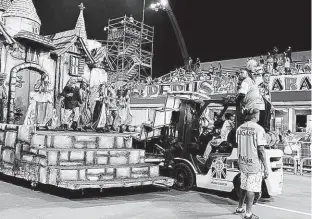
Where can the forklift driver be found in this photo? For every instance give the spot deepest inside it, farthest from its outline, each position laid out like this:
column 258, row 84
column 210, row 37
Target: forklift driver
column 221, row 142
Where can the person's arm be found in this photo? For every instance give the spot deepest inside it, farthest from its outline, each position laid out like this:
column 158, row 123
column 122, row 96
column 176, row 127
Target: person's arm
column 4, row 93
column 261, row 141
column 64, row 91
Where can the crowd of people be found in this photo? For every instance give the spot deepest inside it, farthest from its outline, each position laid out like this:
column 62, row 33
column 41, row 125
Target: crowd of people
column 78, row 108
column 274, row 63
column 277, row 63
column 253, row 121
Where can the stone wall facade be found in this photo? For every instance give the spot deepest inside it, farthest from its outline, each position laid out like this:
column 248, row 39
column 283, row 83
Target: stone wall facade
column 74, row 162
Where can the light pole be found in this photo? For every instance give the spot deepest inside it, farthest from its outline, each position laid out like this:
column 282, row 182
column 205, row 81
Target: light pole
column 164, row 5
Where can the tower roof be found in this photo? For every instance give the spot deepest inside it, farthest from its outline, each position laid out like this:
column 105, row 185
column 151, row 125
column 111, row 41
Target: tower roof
column 4, row 4
column 80, row 25
column 24, row 9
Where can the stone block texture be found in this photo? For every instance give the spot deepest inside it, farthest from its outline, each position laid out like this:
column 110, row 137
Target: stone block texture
column 70, row 161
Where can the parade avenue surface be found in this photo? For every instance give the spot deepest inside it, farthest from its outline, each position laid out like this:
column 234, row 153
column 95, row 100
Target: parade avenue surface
column 19, row 201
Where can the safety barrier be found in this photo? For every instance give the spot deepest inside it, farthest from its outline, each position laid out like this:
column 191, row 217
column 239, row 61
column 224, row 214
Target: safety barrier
column 288, row 165
column 300, row 158
column 302, row 168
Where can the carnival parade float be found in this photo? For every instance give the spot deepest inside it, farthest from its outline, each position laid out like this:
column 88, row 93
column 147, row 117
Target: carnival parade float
column 65, row 113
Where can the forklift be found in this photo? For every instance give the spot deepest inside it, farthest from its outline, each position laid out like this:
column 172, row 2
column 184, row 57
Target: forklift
column 178, row 141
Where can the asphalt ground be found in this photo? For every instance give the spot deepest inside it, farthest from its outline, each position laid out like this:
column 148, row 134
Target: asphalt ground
column 17, row 200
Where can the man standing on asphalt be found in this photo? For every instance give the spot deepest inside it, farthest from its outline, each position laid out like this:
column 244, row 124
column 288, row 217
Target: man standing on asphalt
column 250, row 138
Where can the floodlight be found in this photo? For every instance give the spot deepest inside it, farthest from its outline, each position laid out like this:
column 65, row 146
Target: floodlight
column 153, row 6
column 164, row 3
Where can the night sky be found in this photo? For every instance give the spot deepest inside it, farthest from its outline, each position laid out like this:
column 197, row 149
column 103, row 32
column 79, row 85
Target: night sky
column 212, row 29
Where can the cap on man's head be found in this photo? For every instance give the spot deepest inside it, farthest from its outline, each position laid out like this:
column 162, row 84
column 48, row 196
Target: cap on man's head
column 252, row 65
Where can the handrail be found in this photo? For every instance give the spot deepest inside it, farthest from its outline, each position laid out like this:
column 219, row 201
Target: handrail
column 301, row 165
column 295, row 163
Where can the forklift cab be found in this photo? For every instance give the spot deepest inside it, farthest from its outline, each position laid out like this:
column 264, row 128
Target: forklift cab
column 221, row 171
column 188, row 111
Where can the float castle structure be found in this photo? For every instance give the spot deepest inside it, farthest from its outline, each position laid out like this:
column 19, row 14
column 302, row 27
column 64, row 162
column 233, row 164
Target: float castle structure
column 25, row 55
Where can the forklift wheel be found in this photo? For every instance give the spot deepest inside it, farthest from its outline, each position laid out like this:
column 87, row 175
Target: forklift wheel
column 184, row 178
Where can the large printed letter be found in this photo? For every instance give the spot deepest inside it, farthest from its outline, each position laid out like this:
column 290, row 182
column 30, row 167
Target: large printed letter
column 277, row 85
column 177, row 87
column 164, row 89
column 291, row 84
column 205, row 87
column 305, row 84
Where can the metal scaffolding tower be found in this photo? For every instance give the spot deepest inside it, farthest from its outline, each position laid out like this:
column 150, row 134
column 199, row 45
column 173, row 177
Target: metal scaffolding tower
column 129, row 49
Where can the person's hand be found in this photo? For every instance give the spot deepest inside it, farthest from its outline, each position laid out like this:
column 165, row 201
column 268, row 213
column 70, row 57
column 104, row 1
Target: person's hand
column 266, row 174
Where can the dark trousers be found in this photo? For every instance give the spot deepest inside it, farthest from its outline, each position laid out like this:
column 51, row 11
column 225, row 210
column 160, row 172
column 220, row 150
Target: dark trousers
column 265, row 116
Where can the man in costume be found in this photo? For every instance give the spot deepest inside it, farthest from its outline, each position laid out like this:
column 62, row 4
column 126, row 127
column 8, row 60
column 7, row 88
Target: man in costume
column 71, row 100
column 248, row 93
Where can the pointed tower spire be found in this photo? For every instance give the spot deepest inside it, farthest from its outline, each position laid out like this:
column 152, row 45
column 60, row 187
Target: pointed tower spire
column 23, row 9
column 27, row 14
column 80, row 25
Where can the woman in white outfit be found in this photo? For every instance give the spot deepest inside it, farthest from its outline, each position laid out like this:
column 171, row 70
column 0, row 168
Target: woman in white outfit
column 40, row 110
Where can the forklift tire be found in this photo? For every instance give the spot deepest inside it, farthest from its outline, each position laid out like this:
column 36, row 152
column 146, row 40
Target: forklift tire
column 184, row 177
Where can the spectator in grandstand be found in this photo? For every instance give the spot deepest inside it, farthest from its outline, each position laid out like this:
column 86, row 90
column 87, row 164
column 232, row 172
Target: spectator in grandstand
column 211, row 69
column 275, row 58
column 280, row 61
column 275, row 52
column 287, row 64
column 190, row 64
column 307, row 67
column 280, row 66
column 228, row 125
column 261, row 61
column 269, row 62
column 288, row 53
column 300, row 69
column 131, row 19
column 275, row 65
column 197, row 65
column 294, row 68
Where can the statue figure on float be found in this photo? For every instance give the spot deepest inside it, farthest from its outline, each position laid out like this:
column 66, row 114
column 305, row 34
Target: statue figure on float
column 101, row 110
column 71, row 101
column 124, row 111
column 85, row 120
column 40, row 109
column 3, row 97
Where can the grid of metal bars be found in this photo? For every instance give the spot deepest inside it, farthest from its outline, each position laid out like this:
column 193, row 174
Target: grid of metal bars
column 129, row 49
